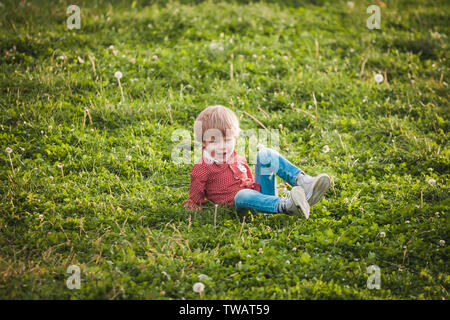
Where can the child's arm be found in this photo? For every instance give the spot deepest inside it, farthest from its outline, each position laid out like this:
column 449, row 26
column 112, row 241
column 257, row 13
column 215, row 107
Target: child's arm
column 197, row 191
column 250, row 180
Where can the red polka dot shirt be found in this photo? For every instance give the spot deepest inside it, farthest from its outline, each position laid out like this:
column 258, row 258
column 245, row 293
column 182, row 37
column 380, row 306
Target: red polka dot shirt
column 219, row 182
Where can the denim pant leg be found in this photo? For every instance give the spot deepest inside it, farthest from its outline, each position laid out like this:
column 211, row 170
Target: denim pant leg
column 255, row 201
column 269, row 164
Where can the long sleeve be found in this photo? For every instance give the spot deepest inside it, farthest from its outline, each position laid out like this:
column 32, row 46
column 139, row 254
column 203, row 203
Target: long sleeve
column 197, row 191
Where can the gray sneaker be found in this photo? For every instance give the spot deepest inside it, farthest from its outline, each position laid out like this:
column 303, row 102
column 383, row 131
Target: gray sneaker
column 297, row 204
column 315, row 187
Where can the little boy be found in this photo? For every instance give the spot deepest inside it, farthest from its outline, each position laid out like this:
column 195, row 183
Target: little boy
column 223, row 177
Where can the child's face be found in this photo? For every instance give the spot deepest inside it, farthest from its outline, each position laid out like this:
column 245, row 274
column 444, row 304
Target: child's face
column 222, row 148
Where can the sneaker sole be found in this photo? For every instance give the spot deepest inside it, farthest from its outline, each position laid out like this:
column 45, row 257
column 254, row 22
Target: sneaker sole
column 299, row 197
column 320, row 186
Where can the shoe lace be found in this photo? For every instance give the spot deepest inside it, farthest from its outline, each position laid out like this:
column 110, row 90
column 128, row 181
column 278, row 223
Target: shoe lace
column 284, row 198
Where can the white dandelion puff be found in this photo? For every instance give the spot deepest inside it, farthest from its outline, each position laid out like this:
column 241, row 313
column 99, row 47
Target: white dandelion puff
column 198, row 287
column 442, row 243
column 382, row 234
column 378, row 78
column 8, row 151
column 325, row 149
column 431, row 182
column 118, row 74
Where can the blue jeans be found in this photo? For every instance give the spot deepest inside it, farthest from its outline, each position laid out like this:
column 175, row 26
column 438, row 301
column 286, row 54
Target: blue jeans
column 269, row 164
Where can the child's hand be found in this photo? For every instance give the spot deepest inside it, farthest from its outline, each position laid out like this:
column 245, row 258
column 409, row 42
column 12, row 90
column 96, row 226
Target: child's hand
column 192, row 207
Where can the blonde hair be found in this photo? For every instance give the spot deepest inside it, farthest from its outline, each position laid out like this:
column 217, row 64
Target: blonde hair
column 216, row 117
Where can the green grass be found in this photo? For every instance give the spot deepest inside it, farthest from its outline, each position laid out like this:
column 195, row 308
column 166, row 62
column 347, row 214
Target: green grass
column 123, row 221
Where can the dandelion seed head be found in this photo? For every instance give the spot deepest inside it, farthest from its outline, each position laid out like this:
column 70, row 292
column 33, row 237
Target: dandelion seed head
column 325, row 149
column 198, row 287
column 118, row 74
column 8, row 150
column 378, row 78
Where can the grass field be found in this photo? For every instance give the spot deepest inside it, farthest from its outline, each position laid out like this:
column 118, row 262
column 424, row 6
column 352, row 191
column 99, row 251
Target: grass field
column 89, row 180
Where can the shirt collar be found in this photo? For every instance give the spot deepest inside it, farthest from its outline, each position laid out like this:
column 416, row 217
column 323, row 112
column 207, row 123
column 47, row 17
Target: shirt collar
column 212, row 160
